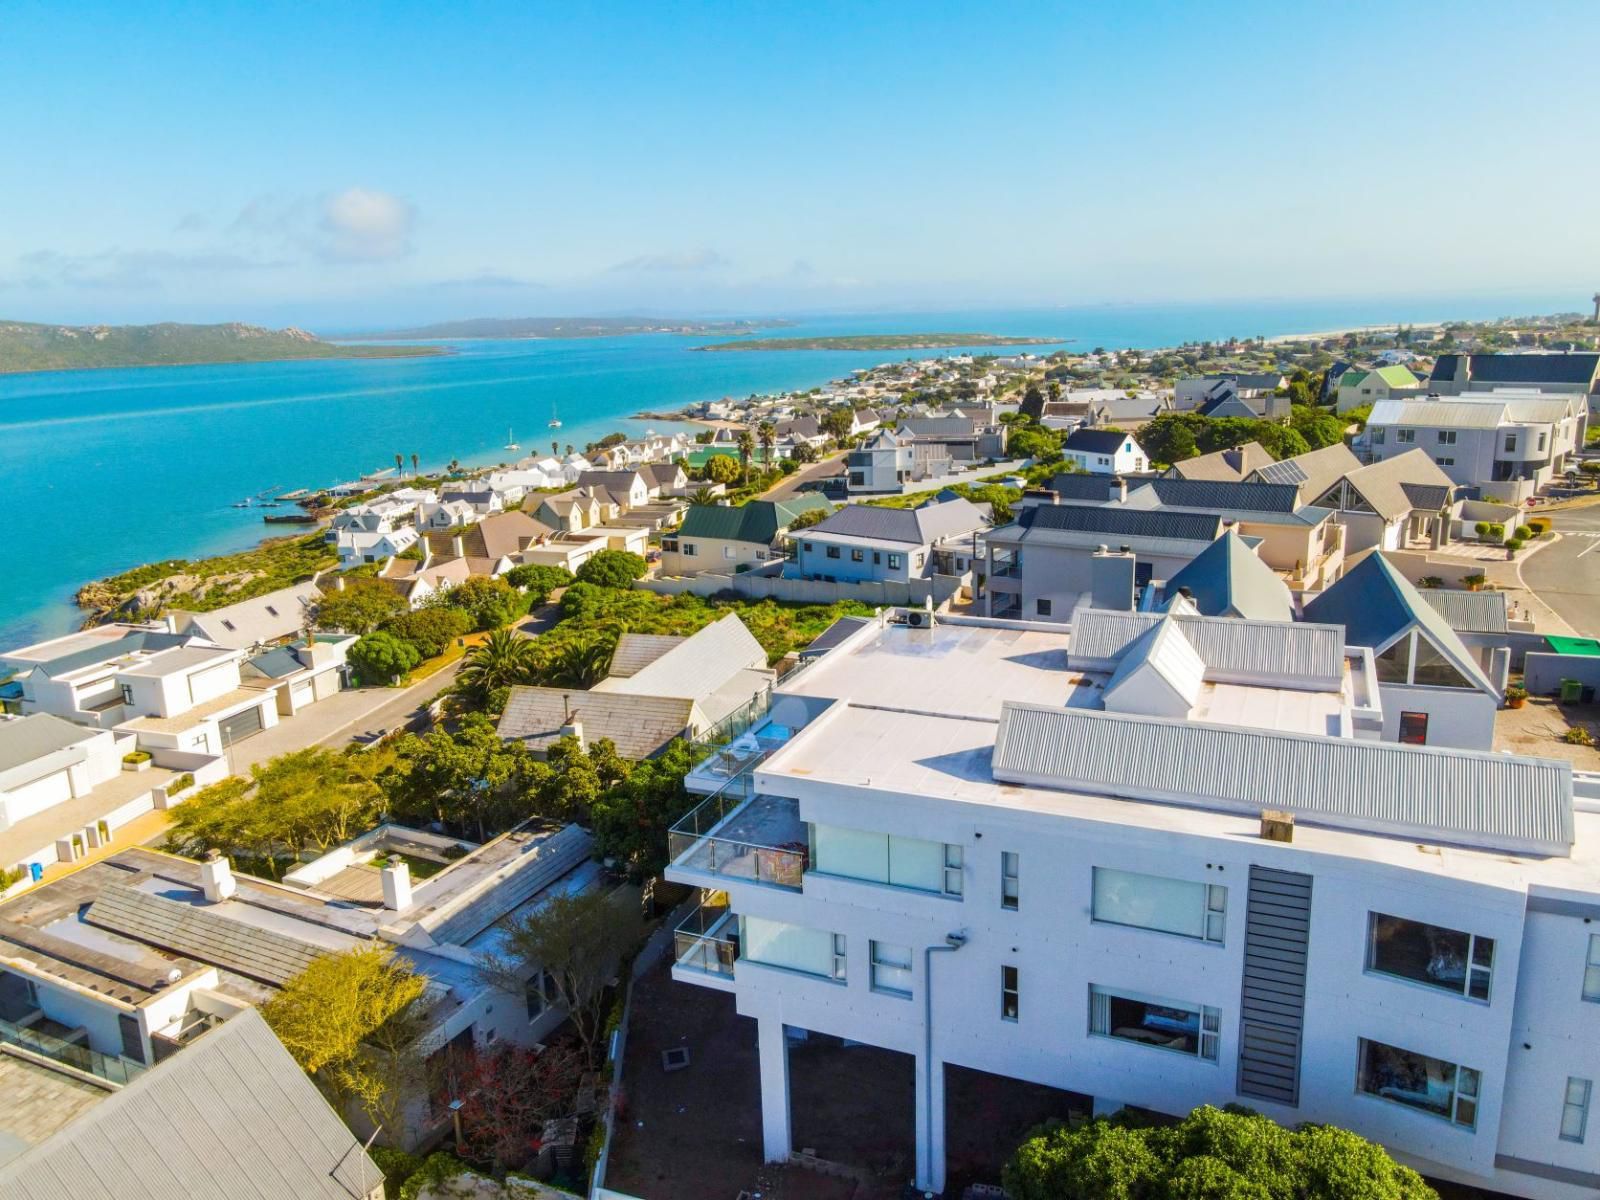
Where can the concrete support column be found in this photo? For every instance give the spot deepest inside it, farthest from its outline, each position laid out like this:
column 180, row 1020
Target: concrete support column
column 930, row 1125
column 774, row 1051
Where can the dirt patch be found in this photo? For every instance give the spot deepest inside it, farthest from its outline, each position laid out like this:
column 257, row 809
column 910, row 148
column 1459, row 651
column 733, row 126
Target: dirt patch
column 1537, row 728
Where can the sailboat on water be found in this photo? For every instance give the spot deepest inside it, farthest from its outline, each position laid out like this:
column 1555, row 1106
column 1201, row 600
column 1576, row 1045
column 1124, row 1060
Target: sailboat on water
column 555, row 420
column 511, row 442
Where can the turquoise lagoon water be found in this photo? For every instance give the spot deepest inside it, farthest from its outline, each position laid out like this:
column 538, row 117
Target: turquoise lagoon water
column 107, row 469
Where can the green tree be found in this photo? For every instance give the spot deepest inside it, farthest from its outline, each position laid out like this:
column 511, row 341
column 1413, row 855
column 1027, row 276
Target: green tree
column 767, row 435
column 702, row 497
column 469, row 778
column 1170, row 438
column 1032, row 405
column 809, row 518
column 348, row 1020
column 489, row 603
column 632, row 818
column 1027, row 440
column 836, row 423
column 720, row 468
column 578, row 941
column 746, row 441
column 803, row 452
column 612, row 568
column 1318, row 426
column 381, row 657
column 539, row 581
column 360, row 607
column 503, row 660
column 430, row 630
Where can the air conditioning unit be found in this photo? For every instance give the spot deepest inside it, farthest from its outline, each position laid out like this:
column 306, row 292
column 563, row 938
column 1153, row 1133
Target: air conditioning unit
column 919, row 619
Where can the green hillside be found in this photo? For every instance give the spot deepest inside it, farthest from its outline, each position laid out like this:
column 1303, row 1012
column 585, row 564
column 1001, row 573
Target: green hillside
column 31, row 347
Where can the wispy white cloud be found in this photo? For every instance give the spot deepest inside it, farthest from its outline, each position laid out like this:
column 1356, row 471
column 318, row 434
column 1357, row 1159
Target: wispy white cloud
column 362, row 225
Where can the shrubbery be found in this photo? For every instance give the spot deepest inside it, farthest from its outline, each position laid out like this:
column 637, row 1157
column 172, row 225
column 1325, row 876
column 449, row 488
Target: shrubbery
column 379, row 657
column 429, row 630
column 612, row 568
column 538, row 581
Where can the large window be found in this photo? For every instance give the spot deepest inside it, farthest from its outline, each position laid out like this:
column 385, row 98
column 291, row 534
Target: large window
column 891, row 969
column 1575, row 1109
column 1165, row 1024
column 1446, row 959
column 1591, row 970
column 1430, row 1085
column 793, row 947
column 1394, row 664
column 1434, row 669
column 1195, row 910
column 884, row 858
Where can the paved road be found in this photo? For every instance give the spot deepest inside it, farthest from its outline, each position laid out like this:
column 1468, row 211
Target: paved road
column 806, row 474
column 1566, row 575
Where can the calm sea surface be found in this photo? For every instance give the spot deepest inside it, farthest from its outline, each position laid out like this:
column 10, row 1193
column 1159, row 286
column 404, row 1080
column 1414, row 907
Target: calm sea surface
column 107, row 469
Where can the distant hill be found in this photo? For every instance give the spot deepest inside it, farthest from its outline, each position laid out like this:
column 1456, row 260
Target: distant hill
column 560, row 327
column 884, row 341
column 29, row 347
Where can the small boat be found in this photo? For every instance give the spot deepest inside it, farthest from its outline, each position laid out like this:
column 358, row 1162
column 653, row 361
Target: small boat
column 555, row 419
column 511, row 441
column 243, row 503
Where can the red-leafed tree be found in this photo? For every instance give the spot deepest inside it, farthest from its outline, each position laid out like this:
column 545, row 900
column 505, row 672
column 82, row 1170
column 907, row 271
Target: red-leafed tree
column 509, row 1094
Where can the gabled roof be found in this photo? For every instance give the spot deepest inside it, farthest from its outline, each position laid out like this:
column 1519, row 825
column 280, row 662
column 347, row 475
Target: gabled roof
column 1227, row 579
column 1377, row 605
column 639, row 725
column 38, row 736
column 267, row 618
column 699, row 666
column 1294, row 654
column 1462, row 796
column 1315, row 471
column 618, row 483
column 1096, row 441
column 1438, row 414
column 913, row 526
column 936, row 427
column 231, row 1115
column 1393, row 487
column 1217, row 495
column 1393, row 376
column 1160, row 653
column 1118, row 521
column 661, row 474
column 501, row 535
column 1095, row 489
column 1518, row 368
column 757, row 521
column 635, row 651
column 1230, row 465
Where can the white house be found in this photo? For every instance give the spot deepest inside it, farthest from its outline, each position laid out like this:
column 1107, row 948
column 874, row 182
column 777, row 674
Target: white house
column 445, row 514
column 1104, row 452
column 46, row 761
column 1160, row 862
column 356, row 548
column 862, row 543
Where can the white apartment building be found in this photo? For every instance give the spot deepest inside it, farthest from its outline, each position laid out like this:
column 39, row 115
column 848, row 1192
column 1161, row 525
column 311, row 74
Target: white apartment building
column 1506, row 443
column 1067, row 857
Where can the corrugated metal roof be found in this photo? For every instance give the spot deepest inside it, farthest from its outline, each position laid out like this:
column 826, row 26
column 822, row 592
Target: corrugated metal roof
column 230, row 1117
column 1164, row 650
column 1481, row 799
column 1437, row 414
column 1094, row 489
column 1228, row 579
column 1469, row 612
column 1519, row 368
column 1290, row 652
column 1220, row 494
column 914, row 526
column 544, row 863
column 1119, row 521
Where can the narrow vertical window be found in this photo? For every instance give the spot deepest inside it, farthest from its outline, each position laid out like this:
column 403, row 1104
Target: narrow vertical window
column 1008, row 879
column 1575, row 1109
column 1591, row 973
column 952, row 870
column 839, row 957
column 1008, row 993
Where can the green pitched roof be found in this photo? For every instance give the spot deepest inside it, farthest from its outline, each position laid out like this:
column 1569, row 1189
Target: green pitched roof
column 757, row 521
column 1395, row 377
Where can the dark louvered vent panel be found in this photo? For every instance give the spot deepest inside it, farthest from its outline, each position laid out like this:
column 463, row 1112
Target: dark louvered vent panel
column 1273, row 1002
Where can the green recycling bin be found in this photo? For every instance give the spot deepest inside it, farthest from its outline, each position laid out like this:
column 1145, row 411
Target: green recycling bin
column 1571, row 691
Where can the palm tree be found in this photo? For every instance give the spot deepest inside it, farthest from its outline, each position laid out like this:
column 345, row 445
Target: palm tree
column 585, row 662
column 504, row 659
column 702, row 497
column 453, row 466
column 400, row 463
column 416, row 465
column 767, row 434
column 569, row 449
column 555, row 448
column 747, row 446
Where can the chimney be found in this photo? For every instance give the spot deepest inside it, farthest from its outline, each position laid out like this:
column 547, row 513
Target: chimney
column 1119, row 489
column 216, row 878
column 1111, row 580
column 458, row 546
column 1277, row 826
column 396, row 887
column 574, row 729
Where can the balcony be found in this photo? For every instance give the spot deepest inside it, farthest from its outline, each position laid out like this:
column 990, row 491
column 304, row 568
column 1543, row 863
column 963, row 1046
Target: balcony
column 69, row 1053
column 707, row 942
column 738, row 837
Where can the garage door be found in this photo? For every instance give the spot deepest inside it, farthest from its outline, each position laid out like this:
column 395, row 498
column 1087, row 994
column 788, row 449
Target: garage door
column 300, row 694
column 237, row 728
column 37, row 796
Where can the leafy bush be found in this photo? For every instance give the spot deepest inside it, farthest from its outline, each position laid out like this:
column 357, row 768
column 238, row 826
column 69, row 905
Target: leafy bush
column 362, row 606
column 11, row 876
column 379, row 657
column 612, row 568
column 136, row 757
column 430, row 630
column 397, row 1167
column 720, row 468
column 181, row 784
column 538, row 580
column 1578, row 735
column 488, row 603
column 1212, row 1154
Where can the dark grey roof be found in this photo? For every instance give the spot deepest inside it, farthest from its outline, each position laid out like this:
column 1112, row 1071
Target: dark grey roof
column 833, row 635
column 229, row 1117
column 1227, row 579
column 31, row 738
column 1123, row 522
column 1518, row 368
column 1095, row 441
column 1079, row 486
column 1221, row 494
column 276, row 663
column 914, row 526
column 1431, row 496
column 1469, row 612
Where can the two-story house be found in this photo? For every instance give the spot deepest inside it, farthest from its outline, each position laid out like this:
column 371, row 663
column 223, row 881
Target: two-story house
column 864, row 543
column 1104, row 452
column 728, row 538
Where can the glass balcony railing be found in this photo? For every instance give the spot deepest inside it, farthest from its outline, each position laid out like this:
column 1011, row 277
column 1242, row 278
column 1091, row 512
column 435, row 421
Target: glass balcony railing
column 740, row 835
column 707, row 941
column 103, row 1066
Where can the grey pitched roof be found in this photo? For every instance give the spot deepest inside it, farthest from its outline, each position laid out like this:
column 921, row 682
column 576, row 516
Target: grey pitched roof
column 1095, row 489
column 1315, row 471
column 699, row 666
column 635, row 651
column 1395, row 486
column 1124, row 522
column 1468, row 612
column 1230, row 465
column 229, row 1117
column 914, row 526
column 1228, row 579
column 639, row 725
column 1461, row 796
column 1095, row 441
column 1518, row 368
column 37, row 736
column 277, row 614
column 1376, row 605
column 1281, row 653
column 1220, row 494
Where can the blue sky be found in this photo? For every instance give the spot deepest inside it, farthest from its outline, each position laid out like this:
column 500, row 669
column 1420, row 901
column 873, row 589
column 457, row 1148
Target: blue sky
column 349, row 165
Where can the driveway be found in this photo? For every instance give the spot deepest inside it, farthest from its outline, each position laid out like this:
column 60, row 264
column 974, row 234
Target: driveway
column 1566, row 574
